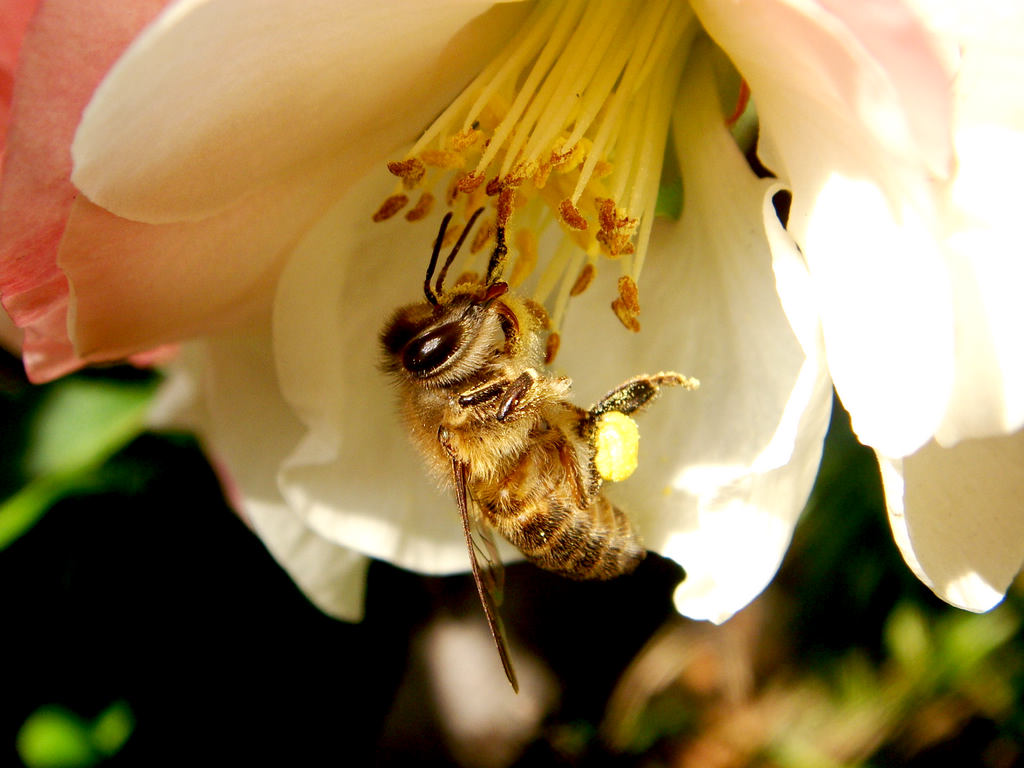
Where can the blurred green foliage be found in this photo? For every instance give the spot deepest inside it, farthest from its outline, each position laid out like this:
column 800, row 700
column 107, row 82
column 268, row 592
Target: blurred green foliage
column 53, row 737
column 58, row 438
column 140, row 589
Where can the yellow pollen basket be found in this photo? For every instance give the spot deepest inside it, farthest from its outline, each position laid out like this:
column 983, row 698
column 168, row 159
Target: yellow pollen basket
column 568, row 124
column 617, row 446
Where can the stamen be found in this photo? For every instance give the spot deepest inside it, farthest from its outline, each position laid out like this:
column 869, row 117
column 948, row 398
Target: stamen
column 565, row 127
column 627, row 306
column 616, row 228
column 421, row 209
column 629, row 294
column 551, row 347
column 390, row 207
column 583, row 281
column 410, row 171
column 469, row 182
column 571, row 215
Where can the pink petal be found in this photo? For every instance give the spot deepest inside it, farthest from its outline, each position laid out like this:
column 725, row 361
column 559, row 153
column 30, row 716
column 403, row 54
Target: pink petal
column 184, row 279
column 916, row 65
column 68, row 48
column 14, row 18
column 11, row 336
column 249, row 199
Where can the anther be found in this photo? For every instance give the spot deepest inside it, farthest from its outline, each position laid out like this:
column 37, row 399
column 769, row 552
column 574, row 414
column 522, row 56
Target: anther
column 469, row 182
column 421, row 209
column 625, row 316
column 571, row 215
column 627, row 305
column 629, row 294
column 583, row 280
column 390, row 207
column 551, row 347
column 410, row 171
column 506, row 200
column 617, row 228
column 494, row 187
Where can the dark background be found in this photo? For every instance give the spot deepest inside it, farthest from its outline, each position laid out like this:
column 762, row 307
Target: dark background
column 143, row 587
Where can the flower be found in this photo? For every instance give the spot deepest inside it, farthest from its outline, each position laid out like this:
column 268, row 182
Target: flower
column 234, row 208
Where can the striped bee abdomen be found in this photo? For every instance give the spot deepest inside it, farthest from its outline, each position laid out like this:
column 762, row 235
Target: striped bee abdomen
column 549, row 525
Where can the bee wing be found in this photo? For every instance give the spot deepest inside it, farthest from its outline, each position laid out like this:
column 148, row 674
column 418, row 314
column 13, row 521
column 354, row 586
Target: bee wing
column 486, row 579
column 492, row 572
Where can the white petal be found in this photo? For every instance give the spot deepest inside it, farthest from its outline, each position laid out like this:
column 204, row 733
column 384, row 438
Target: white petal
column 225, row 390
column 956, row 516
column 220, row 95
column 355, row 477
column 987, row 254
column 886, row 310
column 842, row 126
column 984, row 220
column 725, row 471
column 357, row 481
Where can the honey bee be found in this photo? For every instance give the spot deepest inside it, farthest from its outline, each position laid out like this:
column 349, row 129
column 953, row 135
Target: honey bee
column 491, row 421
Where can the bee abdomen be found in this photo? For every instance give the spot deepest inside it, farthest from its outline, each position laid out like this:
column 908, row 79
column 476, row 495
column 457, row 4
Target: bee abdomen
column 593, row 543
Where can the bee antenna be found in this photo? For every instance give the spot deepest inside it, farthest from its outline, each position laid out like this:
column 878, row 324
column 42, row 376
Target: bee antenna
column 497, row 263
column 431, row 296
column 455, row 250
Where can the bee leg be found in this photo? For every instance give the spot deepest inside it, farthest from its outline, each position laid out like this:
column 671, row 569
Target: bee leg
column 444, row 437
column 482, row 393
column 496, row 265
column 515, row 392
column 634, row 394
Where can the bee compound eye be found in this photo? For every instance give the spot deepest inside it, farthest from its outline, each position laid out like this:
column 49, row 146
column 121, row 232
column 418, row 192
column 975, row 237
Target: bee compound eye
column 429, row 351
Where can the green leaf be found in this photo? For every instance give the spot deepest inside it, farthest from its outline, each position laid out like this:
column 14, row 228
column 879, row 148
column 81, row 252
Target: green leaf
column 53, row 737
column 78, row 426
column 83, row 421
column 967, row 639
column 907, row 636
column 21, row 511
column 112, row 728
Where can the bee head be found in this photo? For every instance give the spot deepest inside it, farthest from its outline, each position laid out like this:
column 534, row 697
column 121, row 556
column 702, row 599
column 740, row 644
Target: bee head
column 455, row 332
